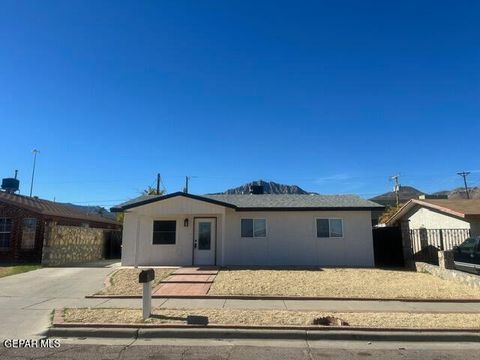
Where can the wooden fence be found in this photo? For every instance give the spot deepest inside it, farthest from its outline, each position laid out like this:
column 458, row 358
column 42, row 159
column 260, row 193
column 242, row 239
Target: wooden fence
column 427, row 242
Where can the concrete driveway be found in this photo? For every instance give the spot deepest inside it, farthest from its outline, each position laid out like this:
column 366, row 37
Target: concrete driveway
column 27, row 300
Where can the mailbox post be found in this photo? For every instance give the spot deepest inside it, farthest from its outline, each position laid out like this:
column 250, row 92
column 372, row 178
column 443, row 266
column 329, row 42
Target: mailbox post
column 146, row 277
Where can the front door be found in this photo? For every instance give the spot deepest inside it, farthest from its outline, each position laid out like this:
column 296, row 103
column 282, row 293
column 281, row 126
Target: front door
column 204, row 241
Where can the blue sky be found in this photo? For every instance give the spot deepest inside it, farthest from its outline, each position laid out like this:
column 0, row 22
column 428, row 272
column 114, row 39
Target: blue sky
column 334, row 96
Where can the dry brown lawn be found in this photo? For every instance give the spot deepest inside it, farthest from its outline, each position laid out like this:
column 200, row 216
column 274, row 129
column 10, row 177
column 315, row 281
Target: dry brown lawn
column 275, row 317
column 340, row 283
column 125, row 282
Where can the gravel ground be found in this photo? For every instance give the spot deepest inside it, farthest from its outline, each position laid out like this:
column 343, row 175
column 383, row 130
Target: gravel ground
column 275, row 317
column 125, row 282
column 341, row 283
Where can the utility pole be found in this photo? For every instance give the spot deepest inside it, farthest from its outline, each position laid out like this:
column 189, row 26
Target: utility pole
column 158, row 184
column 185, row 190
column 396, row 188
column 464, row 174
column 35, row 152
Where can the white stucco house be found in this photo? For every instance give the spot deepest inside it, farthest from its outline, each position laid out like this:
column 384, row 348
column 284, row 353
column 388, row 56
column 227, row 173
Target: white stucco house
column 425, row 213
column 249, row 230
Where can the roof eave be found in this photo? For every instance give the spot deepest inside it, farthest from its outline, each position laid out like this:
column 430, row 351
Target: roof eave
column 440, row 208
column 165, row 197
column 411, row 203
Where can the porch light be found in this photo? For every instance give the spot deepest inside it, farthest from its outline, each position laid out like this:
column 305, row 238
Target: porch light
column 185, row 222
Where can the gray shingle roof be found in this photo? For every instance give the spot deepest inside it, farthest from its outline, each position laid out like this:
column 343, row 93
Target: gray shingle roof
column 293, row 201
column 265, row 201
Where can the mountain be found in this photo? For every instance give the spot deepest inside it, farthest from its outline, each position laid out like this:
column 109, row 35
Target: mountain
column 269, row 187
column 459, row 193
column 409, row 192
column 405, row 193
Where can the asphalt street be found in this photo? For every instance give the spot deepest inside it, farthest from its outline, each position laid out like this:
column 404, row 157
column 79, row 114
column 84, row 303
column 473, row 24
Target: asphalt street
column 248, row 350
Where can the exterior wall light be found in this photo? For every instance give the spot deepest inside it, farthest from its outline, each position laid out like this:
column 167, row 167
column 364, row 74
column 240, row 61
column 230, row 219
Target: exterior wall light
column 185, row 222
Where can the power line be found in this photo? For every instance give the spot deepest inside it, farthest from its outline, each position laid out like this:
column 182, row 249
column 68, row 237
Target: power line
column 35, row 152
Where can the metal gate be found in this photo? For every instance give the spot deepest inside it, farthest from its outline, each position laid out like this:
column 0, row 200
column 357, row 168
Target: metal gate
column 427, row 242
column 387, row 246
column 113, row 244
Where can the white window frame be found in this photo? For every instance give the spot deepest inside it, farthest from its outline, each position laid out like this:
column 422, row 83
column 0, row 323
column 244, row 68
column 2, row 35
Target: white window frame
column 329, row 232
column 253, row 224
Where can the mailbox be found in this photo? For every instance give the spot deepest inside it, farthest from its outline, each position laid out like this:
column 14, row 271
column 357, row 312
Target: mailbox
column 146, row 276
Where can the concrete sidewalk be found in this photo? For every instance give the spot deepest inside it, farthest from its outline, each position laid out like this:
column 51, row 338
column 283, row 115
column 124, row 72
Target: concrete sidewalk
column 299, row 305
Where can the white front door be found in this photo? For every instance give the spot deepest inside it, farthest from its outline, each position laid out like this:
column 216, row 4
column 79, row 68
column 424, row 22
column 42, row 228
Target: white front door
column 204, row 241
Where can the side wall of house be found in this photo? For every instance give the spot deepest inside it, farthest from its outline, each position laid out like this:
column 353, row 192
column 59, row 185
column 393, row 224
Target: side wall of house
column 139, row 222
column 292, row 240
column 421, row 217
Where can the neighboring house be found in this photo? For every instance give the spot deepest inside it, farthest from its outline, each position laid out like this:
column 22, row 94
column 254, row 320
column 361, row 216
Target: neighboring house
column 427, row 213
column 23, row 220
column 429, row 225
column 252, row 229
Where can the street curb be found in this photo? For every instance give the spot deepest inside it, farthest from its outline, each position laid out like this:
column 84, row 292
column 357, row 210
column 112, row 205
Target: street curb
column 300, row 298
column 277, row 334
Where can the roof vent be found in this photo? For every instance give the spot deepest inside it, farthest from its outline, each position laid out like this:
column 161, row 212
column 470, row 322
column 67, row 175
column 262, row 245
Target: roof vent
column 11, row 185
column 256, row 189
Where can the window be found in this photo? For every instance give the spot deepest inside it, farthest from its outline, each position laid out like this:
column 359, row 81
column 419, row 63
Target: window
column 164, row 232
column 329, row 228
column 29, row 229
column 5, row 233
column 254, row 228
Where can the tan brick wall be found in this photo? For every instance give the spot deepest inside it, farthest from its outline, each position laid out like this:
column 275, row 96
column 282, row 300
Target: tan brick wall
column 67, row 245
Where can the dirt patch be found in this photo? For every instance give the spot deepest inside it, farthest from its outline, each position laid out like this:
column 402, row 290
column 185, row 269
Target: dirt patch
column 125, row 282
column 340, row 283
column 329, row 321
column 275, row 317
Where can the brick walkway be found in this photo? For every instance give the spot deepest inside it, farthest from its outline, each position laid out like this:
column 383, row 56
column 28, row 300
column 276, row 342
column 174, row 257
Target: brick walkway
column 188, row 281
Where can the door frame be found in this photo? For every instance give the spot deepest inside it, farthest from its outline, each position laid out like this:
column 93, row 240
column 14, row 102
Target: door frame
column 195, row 218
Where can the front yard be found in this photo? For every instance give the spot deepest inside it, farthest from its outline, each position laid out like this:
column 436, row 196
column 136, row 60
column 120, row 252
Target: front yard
column 323, row 283
column 339, row 283
column 274, row 318
column 17, row 269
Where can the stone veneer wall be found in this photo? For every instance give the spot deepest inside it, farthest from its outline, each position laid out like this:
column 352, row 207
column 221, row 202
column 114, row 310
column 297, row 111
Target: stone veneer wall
column 461, row 277
column 66, row 245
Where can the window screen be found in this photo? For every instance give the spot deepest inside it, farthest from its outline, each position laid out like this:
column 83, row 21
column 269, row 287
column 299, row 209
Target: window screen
column 164, row 232
column 327, row 228
column 254, row 228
